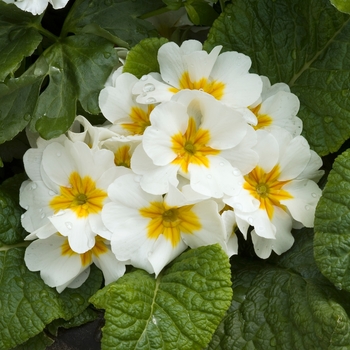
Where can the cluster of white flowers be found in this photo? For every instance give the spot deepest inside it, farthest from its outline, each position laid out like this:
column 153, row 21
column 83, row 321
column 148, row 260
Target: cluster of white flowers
column 37, row 7
column 188, row 157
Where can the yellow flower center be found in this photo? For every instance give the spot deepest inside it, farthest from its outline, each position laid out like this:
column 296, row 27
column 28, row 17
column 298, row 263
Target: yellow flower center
column 191, row 147
column 122, row 156
column 81, row 196
column 212, row 87
column 170, row 221
column 264, row 120
column 86, row 258
column 140, row 120
column 266, row 188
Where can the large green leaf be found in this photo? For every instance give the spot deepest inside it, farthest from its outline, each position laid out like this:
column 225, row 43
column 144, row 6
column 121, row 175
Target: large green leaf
column 342, row 5
column 28, row 305
column 304, row 44
column 142, row 58
column 289, row 305
column 179, row 310
column 332, row 225
column 11, row 230
column 118, row 17
column 18, row 37
column 79, row 66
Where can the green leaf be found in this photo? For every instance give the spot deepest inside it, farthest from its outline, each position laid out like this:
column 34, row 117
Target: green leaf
column 332, row 225
column 39, row 342
column 289, row 305
column 79, row 66
column 11, row 230
column 119, row 17
column 18, row 37
column 301, row 43
column 341, row 5
column 142, row 58
column 201, row 13
column 27, row 304
column 18, row 98
column 178, row 310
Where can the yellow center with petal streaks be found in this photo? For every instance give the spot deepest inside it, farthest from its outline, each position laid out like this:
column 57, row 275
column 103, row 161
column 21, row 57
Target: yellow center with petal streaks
column 139, row 120
column 212, row 87
column 122, row 156
column 264, row 120
column 191, row 147
column 81, row 196
column 86, row 258
column 170, row 221
column 266, row 188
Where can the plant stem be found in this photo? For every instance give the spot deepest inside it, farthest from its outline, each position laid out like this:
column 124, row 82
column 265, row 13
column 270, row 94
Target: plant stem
column 46, row 33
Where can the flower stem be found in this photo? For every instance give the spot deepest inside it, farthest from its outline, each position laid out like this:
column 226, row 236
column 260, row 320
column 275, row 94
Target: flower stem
column 46, row 33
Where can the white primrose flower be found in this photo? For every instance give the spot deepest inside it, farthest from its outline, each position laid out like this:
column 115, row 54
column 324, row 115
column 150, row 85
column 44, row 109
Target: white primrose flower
column 223, row 76
column 277, row 106
column 277, row 192
column 91, row 135
column 119, row 106
column 66, row 191
column 37, row 7
column 151, row 230
column 229, row 219
column 197, row 137
column 61, row 267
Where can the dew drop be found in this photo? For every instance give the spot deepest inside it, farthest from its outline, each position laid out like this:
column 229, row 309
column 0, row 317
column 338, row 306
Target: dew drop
column 107, row 55
column 40, row 210
column 78, row 299
column 221, row 164
column 294, row 54
column 151, row 100
column 69, row 225
column 314, row 195
column 250, row 220
column 238, row 206
column 58, row 154
column 51, row 193
column 26, row 117
column 154, row 320
column 144, row 77
column 236, row 172
column 148, row 88
column 307, row 207
column 34, row 186
column 59, row 213
column 42, row 215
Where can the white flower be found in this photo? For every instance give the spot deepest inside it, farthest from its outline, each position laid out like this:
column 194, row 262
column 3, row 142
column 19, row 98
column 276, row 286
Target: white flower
column 118, row 105
column 224, row 76
column 61, row 267
column 37, row 7
column 277, row 106
column 199, row 138
column 151, row 230
column 229, row 219
column 66, row 192
column 276, row 192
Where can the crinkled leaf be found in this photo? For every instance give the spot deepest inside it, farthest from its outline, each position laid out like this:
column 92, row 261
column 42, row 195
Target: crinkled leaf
column 18, row 98
column 304, row 44
column 39, row 342
column 11, row 230
column 341, row 5
column 27, row 304
column 79, row 66
column 179, row 310
column 142, row 58
column 18, row 37
column 119, row 17
column 332, row 225
column 289, row 305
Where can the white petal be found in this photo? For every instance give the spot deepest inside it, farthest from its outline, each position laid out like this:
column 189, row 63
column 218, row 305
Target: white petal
column 302, row 206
